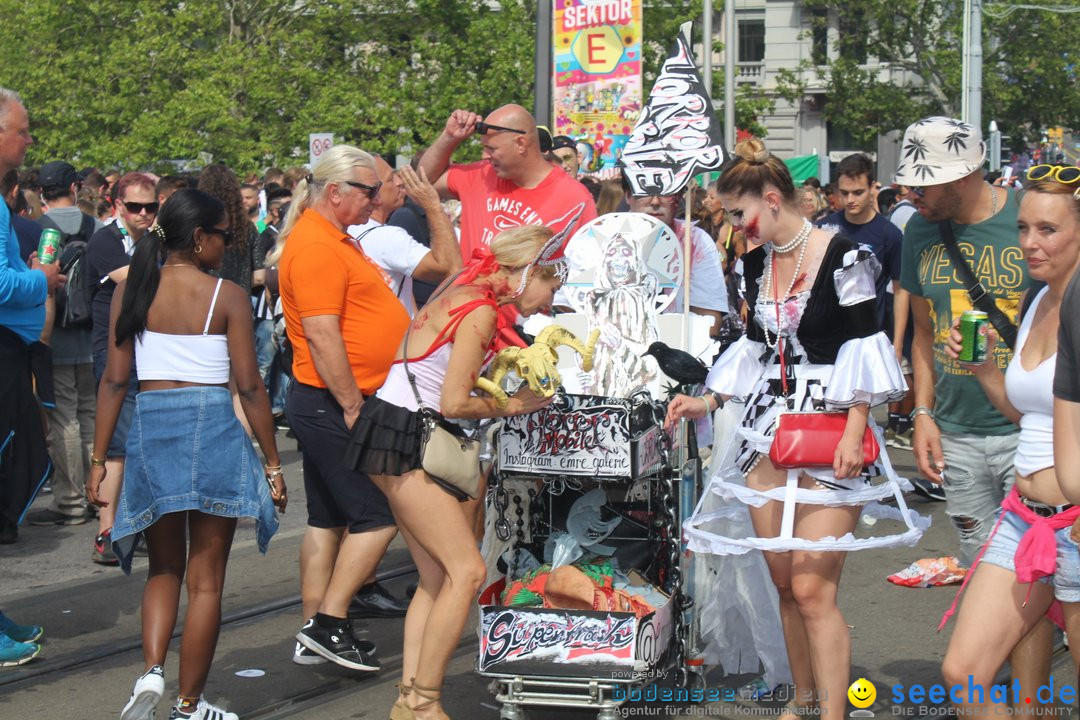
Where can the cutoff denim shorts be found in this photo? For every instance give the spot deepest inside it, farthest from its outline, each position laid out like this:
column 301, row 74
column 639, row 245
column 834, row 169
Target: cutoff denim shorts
column 186, row 450
column 1002, row 552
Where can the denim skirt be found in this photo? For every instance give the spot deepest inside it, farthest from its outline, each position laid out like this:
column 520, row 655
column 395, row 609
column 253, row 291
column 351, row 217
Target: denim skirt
column 186, row 450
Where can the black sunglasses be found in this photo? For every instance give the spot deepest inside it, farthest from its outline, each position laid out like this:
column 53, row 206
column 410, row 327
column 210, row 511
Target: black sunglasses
column 483, row 128
column 227, row 236
column 371, row 190
column 135, row 208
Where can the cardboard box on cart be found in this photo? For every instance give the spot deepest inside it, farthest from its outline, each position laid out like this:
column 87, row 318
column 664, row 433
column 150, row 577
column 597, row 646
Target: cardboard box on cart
column 616, row 646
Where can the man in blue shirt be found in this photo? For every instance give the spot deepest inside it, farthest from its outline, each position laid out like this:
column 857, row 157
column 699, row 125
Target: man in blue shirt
column 24, row 461
column 860, row 220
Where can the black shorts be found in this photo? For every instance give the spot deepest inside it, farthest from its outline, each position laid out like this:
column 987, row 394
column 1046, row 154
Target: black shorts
column 337, row 496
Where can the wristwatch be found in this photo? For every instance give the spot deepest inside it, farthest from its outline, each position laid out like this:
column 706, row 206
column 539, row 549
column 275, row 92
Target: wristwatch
column 921, row 411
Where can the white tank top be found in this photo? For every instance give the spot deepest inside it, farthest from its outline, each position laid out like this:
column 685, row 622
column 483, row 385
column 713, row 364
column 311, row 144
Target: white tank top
column 1031, row 392
column 184, row 358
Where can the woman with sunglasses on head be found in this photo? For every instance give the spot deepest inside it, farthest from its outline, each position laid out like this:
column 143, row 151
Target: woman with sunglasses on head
column 447, row 347
column 191, row 470
column 1031, row 558
column 812, row 343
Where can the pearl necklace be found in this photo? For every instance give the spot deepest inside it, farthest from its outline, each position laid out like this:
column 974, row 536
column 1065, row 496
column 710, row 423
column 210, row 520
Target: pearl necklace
column 767, row 285
column 800, row 237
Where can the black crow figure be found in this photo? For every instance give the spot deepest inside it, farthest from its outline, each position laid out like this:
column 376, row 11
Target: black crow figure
column 680, row 366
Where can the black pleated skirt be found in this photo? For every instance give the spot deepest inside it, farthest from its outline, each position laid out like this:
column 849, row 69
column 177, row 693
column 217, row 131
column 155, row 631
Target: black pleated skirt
column 386, row 439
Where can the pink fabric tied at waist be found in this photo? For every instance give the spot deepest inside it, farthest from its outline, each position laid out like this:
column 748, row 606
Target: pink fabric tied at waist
column 1036, row 553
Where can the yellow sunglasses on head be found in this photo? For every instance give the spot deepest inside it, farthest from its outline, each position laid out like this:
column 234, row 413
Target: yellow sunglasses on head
column 1064, row 174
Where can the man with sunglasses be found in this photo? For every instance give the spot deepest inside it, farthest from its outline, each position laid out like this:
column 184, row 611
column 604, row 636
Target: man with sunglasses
column 107, row 258
column 961, row 441
column 513, row 185
column 71, row 419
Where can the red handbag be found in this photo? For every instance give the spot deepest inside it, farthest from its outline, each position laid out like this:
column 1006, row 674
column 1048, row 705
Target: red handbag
column 809, row 439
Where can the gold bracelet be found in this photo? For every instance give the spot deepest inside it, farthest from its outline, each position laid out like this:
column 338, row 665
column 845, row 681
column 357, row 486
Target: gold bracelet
column 272, row 467
column 275, row 472
column 96, row 462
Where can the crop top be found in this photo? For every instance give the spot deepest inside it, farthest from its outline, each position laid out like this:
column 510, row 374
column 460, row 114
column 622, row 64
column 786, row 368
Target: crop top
column 184, row 358
column 1031, row 393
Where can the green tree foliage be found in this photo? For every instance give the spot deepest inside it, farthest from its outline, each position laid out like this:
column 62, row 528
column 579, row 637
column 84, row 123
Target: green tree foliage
column 134, row 82
column 1029, row 56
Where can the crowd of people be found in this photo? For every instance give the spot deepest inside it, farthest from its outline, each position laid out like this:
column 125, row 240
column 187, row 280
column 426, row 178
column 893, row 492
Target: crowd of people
column 186, row 319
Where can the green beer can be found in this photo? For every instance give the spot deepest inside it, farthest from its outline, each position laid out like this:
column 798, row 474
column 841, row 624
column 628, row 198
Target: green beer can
column 48, row 246
column 972, row 340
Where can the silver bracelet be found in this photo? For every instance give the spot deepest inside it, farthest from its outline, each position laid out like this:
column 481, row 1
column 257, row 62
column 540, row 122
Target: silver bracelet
column 921, row 410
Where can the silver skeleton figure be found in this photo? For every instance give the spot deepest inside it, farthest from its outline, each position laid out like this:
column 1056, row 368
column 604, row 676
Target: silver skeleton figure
column 623, row 306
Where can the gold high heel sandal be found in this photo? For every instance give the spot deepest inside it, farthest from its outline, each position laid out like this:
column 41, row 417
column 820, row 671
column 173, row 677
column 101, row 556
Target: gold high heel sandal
column 401, row 711
column 432, row 696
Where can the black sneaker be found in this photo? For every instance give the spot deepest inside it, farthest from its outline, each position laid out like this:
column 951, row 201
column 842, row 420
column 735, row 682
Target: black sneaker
column 374, row 601
column 339, row 645
column 928, row 490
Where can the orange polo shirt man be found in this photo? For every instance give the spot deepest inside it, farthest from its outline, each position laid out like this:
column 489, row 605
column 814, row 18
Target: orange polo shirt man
column 345, row 326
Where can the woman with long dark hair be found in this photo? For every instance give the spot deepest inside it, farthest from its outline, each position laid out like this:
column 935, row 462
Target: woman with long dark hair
column 191, row 469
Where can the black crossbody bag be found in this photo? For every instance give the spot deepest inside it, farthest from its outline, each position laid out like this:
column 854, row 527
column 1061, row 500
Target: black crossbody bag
column 975, row 290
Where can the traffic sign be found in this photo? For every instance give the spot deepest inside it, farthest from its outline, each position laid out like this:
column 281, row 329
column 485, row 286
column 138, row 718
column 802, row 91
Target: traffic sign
column 318, row 143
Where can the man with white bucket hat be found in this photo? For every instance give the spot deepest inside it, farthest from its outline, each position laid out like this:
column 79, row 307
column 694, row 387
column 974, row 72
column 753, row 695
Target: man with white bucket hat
column 960, row 440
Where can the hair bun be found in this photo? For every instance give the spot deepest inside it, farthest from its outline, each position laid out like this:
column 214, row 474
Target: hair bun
column 752, row 151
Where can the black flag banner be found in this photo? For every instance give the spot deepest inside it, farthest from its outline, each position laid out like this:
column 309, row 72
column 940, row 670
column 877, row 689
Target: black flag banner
column 676, row 136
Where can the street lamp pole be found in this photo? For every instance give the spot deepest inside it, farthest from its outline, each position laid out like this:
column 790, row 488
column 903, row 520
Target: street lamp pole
column 706, row 45
column 729, row 74
column 971, row 100
column 542, row 74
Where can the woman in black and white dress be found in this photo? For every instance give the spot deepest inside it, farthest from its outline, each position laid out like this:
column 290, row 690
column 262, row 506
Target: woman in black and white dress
column 811, row 299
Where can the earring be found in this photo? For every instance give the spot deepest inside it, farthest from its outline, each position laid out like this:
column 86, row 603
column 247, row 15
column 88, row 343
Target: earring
column 198, row 249
column 775, row 211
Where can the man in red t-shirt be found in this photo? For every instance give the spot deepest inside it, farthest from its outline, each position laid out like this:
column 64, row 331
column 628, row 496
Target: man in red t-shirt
column 513, row 184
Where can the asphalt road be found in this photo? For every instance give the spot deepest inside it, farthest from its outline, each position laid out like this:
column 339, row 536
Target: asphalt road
column 92, row 653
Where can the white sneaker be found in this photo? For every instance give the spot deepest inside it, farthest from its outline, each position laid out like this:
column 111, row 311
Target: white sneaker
column 204, row 711
column 146, row 695
column 303, row 656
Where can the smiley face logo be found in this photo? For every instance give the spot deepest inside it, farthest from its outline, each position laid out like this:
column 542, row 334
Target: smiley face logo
column 862, row 693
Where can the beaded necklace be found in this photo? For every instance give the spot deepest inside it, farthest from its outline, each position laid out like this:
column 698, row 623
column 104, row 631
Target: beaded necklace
column 800, row 239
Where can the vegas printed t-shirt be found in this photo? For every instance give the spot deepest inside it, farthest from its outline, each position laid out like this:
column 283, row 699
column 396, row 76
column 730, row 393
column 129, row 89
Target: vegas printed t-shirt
column 993, row 252
column 321, row 273
column 490, row 204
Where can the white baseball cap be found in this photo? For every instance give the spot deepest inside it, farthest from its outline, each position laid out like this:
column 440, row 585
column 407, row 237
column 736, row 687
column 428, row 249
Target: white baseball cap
column 937, row 150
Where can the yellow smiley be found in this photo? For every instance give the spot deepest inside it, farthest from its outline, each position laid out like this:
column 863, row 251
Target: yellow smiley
column 862, row 693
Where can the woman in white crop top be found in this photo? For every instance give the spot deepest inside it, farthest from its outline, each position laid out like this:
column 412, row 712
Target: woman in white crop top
column 449, row 342
column 1031, row 558
column 191, row 470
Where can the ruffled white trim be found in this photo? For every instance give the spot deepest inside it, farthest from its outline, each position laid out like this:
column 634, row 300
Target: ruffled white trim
column 856, row 278
column 865, row 372
column 728, row 483
column 738, row 370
